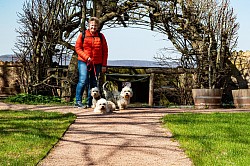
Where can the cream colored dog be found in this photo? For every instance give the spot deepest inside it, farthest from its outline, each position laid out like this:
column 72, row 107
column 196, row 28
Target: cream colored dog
column 96, row 95
column 103, row 106
column 124, row 99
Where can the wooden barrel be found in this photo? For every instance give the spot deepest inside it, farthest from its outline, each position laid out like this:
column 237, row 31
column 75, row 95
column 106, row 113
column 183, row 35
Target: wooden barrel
column 207, row 98
column 241, row 98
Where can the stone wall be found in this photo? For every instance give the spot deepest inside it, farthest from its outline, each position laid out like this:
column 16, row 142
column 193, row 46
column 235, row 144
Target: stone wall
column 242, row 62
column 9, row 78
column 9, row 72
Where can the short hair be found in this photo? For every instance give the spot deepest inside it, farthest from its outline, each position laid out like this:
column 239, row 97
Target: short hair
column 97, row 21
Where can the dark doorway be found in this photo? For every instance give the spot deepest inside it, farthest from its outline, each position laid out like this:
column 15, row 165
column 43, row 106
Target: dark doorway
column 139, row 85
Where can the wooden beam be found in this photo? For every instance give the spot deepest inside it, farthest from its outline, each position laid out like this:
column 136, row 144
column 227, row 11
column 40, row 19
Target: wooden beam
column 151, row 90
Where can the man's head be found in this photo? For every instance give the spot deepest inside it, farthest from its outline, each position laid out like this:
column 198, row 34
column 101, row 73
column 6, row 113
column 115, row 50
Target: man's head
column 94, row 24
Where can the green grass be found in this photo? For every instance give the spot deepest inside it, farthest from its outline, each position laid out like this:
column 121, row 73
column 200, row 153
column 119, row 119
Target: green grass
column 216, row 139
column 27, row 136
column 24, row 98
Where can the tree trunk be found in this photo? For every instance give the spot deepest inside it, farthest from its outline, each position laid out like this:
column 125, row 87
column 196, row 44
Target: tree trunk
column 72, row 77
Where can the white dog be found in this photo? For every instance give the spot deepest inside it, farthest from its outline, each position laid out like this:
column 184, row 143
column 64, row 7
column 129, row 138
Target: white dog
column 96, row 95
column 110, row 95
column 124, row 99
column 111, row 106
column 104, row 106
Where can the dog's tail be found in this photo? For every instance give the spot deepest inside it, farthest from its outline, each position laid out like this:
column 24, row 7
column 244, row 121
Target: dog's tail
column 105, row 89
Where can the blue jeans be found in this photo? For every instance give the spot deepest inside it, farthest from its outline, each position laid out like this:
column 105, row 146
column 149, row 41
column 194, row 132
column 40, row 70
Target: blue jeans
column 87, row 78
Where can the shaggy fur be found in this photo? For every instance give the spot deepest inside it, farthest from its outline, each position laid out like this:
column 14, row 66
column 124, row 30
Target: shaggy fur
column 96, row 95
column 124, row 99
column 111, row 106
column 110, row 95
column 103, row 106
column 121, row 99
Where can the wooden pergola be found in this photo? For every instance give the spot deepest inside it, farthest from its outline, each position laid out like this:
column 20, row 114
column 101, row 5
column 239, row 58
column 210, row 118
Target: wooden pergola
column 150, row 74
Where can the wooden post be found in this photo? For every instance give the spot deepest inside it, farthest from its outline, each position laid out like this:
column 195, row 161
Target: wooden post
column 151, row 90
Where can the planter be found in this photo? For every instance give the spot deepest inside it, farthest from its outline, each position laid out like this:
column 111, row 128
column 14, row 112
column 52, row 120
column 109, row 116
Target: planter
column 241, row 98
column 207, row 98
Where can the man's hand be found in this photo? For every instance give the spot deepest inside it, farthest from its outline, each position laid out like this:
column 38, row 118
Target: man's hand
column 89, row 59
column 104, row 69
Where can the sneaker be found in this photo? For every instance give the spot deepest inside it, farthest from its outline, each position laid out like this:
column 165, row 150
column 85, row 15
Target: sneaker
column 80, row 105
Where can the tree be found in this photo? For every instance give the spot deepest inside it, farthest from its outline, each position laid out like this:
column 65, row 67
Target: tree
column 50, row 26
column 204, row 32
column 45, row 34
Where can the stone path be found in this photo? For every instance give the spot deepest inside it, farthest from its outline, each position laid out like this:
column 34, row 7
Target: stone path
column 124, row 138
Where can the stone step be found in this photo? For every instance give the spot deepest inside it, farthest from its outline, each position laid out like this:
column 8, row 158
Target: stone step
column 4, row 96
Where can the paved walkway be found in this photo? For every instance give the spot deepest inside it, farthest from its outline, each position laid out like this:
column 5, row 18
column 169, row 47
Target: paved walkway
column 124, row 138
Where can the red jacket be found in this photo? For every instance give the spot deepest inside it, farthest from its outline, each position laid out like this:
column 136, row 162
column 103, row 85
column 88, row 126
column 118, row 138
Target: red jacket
column 93, row 47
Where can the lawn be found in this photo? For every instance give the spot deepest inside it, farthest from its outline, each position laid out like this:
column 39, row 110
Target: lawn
column 27, row 136
column 215, row 139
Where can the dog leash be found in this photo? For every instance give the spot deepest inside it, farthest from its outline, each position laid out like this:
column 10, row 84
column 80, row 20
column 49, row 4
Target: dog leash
column 91, row 67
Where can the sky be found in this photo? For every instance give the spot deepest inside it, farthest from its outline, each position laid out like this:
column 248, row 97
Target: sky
column 124, row 43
